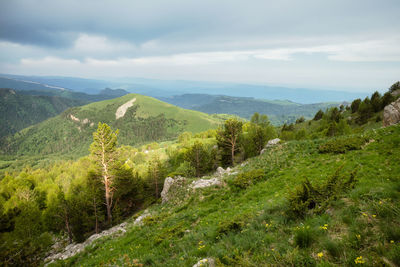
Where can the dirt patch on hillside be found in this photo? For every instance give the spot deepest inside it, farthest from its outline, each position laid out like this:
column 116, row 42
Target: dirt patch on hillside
column 122, row 109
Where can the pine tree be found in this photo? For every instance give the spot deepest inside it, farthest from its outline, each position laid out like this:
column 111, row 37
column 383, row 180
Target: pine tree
column 103, row 149
column 228, row 139
column 199, row 158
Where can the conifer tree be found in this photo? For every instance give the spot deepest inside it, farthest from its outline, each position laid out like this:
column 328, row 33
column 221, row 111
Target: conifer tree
column 228, row 139
column 103, row 150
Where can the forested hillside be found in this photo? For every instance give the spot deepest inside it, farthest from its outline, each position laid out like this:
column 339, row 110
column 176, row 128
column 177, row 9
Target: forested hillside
column 70, row 132
column 19, row 111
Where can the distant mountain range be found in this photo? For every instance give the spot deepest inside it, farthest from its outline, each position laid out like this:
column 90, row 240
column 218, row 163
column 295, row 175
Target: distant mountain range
column 168, row 88
column 278, row 111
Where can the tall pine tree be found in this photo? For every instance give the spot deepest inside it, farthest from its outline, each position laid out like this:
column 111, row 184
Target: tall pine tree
column 103, row 150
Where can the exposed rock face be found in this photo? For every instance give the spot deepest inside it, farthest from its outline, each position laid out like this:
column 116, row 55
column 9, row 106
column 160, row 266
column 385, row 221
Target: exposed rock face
column 391, row 113
column 271, row 143
column 74, row 248
column 220, row 171
column 123, row 108
column 201, row 183
column 169, row 183
column 209, row 262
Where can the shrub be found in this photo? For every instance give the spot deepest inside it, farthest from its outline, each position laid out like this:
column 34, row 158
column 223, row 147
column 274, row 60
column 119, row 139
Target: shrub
column 304, row 237
column 318, row 115
column 342, row 145
column 232, row 225
column 245, row 179
column 307, row 197
column 300, row 120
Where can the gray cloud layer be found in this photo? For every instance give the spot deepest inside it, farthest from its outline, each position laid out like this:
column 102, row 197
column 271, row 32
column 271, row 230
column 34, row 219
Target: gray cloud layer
column 58, row 23
column 36, row 35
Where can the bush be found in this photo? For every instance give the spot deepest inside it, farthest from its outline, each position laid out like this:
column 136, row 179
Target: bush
column 342, row 145
column 307, row 197
column 232, row 225
column 245, row 179
column 304, row 237
column 318, row 115
column 300, row 120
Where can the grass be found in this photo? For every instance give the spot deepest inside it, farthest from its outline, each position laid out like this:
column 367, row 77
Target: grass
column 251, row 227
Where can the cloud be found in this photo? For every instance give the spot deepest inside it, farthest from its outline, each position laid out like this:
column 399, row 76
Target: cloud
column 261, row 40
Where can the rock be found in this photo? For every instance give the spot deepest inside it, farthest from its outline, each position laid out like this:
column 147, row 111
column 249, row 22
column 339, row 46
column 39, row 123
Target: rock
column 391, row 113
column 139, row 220
column 73, row 249
column 168, row 184
column 273, row 142
column 210, row 262
column 220, row 171
column 202, row 183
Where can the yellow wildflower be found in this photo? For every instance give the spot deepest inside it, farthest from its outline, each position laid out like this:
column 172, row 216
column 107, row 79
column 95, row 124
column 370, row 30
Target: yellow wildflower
column 358, row 236
column 373, row 215
column 359, row 260
column 325, row 227
column 320, row 255
column 391, row 241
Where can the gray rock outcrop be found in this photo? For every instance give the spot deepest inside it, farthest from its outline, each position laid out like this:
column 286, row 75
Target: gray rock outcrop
column 202, row 183
column 169, row 183
column 74, row 248
column 271, row 143
column 221, row 172
column 139, row 220
column 391, row 113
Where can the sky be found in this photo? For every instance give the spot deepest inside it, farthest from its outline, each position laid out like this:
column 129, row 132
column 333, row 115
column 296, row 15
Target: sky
column 321, row 44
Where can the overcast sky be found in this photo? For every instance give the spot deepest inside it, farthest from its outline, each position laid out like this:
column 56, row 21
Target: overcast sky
column 326, row 44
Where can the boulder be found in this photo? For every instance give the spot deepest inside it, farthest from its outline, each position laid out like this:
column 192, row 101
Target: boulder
column 273, row 142
column 202, row 183
column 391, row 113
column 209, row 262
column 220, row 171
column 168, row 184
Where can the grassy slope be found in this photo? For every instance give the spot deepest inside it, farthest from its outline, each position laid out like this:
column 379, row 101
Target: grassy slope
column 148, row 120
column 363, row 222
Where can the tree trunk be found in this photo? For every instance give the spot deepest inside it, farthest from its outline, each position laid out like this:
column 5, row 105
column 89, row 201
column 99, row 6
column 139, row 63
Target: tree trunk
column 95, row 215
column 156, row 182
column 233, row 153
column 67, row 226
column 197, row 163
column 108, row 201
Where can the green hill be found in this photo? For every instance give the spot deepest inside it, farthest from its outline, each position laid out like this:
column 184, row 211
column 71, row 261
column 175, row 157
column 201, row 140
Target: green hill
column 19, row 111
column 341, row 221
column 278, row 111
column 147, row 120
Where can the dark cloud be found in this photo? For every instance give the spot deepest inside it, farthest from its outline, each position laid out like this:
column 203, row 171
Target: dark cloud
column 58, row 23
